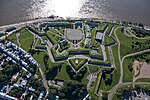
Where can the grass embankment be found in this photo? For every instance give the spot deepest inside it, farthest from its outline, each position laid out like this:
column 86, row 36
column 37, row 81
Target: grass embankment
column 107, row 54
column 109, row 28
column 108, row 39
column 102, row 26
column 78, row 65
column 94, row 89
column 93, row 35
column 55, row 32
column 143, row 80
column 116, row 72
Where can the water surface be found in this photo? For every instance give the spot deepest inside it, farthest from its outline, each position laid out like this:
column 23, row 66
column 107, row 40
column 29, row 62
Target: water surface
column 12, row 11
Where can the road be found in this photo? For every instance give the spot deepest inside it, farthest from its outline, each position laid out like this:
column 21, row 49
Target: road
column 115, row 88
column 121, row 60
column 43, row 78
column 121, row 69
column 120, row 83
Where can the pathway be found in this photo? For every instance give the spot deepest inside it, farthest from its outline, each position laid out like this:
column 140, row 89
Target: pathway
column 115, row 88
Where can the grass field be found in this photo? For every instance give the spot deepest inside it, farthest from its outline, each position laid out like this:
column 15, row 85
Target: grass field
column 39, row 57
column 107, row 53
column 93, row 34
column 62, row 74
column 143, row 80
column 109, row 28
column 13, row 38
column 108, row 40
column 127, row 75
column 78, row 65
column 126, row 43
column 54, row 31
column 26, row 39
column 53, row 38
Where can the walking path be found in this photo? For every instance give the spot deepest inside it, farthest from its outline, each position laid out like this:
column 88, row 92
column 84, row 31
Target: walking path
column 115, row 88
column 120, row 83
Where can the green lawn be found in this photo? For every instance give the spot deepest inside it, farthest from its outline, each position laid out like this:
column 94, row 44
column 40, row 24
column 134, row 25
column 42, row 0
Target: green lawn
column 107, row 53
column 54, row 31
column 102, row 26
column 81, row 61
column 127, row 75
column 93, row 34
column 126, row 43
column 53, row 38
column 39, row 57
column 143, row 80
column 109, row 28
column 13, row 38
column 26, row 39
column 108, row 40
column 62, row 74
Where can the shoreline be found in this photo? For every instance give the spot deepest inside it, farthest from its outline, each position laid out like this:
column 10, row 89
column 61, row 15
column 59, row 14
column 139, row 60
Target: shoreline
column 24, row 23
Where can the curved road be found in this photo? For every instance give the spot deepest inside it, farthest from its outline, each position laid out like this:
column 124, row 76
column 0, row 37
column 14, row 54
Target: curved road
column 120, row 83
column 121, row 69
column 114, row 89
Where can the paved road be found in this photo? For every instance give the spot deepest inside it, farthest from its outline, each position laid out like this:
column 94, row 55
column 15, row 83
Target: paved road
column 121, row 60
column 121, row 69
column 43, row 78
column 110, row 95
column 115, row 88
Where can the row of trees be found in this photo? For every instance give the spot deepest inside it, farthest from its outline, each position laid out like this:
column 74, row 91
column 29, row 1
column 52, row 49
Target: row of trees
column 72, row 90
column 76, row 76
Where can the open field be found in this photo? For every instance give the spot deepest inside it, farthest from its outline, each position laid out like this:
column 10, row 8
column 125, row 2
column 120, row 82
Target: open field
column 26, row 39
column 127, row 74
column 13, row 38
column 62, row 74
column 127, row 44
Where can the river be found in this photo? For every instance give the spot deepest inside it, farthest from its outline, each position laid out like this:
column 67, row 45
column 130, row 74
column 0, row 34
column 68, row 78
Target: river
column 12, row 11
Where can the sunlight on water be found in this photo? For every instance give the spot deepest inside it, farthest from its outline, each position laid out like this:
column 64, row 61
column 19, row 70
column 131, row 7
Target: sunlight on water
column 12, row 11
column 63, row 8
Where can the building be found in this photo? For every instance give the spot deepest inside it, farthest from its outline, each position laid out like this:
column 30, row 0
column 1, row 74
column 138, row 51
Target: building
column 87, row 42
column 99, row 36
